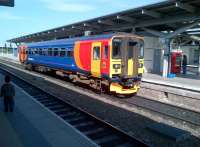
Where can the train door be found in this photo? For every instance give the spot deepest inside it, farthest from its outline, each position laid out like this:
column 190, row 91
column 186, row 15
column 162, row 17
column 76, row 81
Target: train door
column 129, row 58
column 96, row 59
column 105, row 59
column 132, row 57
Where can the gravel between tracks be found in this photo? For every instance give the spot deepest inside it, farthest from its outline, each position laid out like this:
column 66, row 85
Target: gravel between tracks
column 123, row 119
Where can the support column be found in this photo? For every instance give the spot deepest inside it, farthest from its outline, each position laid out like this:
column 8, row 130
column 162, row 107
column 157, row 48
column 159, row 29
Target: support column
column 166, row 59
column 199, row 62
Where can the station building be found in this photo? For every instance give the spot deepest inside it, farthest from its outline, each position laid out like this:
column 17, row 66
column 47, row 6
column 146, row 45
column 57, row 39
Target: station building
column 168, row 27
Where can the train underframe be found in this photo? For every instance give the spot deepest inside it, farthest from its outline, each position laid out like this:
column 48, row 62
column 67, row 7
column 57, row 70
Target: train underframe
column 125, row 86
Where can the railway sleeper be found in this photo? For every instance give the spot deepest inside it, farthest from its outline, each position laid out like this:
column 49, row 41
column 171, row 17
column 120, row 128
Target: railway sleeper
column 71, row 120
column 39, row 98
column 83, row 124
column 103, row 133
column 56, row 107
column 69, row 114
column 61, row 110
column 93, row 131
column 80, row 121
column 45, row 100
column 106, row 139
column 50, row 104
column 84, row 128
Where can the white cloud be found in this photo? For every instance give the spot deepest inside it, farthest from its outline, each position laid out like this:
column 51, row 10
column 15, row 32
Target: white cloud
column 67, row 6
column 9, row 16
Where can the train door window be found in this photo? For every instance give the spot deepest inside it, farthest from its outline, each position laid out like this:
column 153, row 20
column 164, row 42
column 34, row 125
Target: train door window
column 69, row 53
column 50, row 52
column 96, row 53
column 131, row 45
column 62, row 52
column 105, row 50
column 56, row 52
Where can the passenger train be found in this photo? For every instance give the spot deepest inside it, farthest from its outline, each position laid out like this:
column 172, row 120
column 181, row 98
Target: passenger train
column 113, row 60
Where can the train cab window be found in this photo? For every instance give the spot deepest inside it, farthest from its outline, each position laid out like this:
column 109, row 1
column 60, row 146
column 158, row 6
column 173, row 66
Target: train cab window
column 56, row 52
column 96, row 53
column 50, row 52
column 116, row 52
column 141, row 51
column 62, row 52
column 105, row 50
column 70, row 53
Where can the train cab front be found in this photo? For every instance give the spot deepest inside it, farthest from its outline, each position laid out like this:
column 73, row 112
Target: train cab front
column 124, row 65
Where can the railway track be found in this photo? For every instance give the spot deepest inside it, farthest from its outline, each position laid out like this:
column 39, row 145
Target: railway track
column 102, row 133
column 178, row 114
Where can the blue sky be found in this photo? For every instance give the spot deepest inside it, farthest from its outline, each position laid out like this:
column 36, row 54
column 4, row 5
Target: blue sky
column 30, row 16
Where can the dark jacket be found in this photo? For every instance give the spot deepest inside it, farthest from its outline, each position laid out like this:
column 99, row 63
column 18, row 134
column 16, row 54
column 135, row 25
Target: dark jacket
column 184, row 60
column 7, row 90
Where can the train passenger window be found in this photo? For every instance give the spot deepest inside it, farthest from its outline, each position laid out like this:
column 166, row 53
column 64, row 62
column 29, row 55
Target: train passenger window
column 45, row 52
column 32, row 51
column 40, row 51
column 50, row 52
column 69, row 53
column 116, row 52
column 35, row 51
column 55, row 51
column 62, row 52
column 105, row 55
column 96, row 53
column 29, row 51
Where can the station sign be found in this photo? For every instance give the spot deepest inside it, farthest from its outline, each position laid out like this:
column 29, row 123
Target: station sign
column 9, row 3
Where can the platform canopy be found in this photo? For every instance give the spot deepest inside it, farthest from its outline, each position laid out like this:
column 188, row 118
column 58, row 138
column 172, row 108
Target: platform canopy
column 9, row 3
column 165, row 19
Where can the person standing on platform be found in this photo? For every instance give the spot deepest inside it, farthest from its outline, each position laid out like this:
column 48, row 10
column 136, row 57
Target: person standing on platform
column 8, row 93
column 184, row 64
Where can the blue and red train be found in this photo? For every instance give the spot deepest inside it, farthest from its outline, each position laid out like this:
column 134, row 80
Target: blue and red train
column 109, row 59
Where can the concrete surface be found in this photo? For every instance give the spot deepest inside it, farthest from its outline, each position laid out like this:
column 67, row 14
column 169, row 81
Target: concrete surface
column 33, row 125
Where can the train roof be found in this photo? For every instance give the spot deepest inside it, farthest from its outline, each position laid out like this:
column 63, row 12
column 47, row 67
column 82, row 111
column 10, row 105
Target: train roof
column 70, row 40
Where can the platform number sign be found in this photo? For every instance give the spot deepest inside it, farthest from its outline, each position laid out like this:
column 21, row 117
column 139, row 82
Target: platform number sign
column 9, row 3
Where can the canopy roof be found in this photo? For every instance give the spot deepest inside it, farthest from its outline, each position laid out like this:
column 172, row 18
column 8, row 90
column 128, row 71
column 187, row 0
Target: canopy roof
column 165, row 19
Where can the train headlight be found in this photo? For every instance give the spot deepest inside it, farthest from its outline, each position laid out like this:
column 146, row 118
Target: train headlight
column 140, row 65
column 116, row 66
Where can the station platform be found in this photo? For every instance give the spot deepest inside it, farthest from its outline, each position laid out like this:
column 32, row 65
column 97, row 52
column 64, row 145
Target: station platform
column 188, row 82
column 32, row 125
